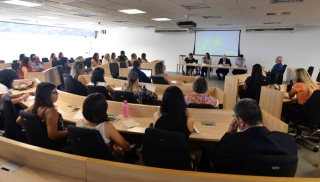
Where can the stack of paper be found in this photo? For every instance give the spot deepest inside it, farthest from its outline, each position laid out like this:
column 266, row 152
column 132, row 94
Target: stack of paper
column 130, row 123
column 150, row 87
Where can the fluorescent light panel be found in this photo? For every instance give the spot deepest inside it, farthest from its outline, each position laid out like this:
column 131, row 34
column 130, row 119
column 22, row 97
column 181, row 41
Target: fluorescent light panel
column 132, row 11
column 49, row 17
column 22, row 3
column 161, row 19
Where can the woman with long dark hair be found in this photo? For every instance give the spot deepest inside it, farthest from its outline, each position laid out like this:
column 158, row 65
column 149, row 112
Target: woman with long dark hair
column 256, row 73
column 173, row 114
column 95, row 113
column 53, row 57
column 45, row 96
column 97, row 79
column 95, row 60
column 25, row 67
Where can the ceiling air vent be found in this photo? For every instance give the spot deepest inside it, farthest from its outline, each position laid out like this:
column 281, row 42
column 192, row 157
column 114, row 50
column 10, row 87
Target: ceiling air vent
column 278, row 13
column 120, row 21
column 84, row 14
column 286, row 1
column 270, row 23
column 195, row 6
column 224, row 24
column 171, row 30
column 210, row 17
column 270, row 29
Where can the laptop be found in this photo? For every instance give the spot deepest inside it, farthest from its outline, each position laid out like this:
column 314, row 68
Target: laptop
column 148, row 72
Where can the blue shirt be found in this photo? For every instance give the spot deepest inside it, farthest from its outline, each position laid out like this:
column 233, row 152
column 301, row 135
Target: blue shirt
column 37, row 66
column 277, row 68
column 238, row 63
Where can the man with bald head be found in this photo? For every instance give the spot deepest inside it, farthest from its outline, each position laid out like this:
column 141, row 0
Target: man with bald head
column 36, row 64
column 225, row 62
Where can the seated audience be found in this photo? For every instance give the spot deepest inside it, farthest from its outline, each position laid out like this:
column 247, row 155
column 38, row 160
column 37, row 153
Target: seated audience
column 79, row 80
column 113, row 58
column 140, row 93
column 224, row 61
column 142, row 76
column 31, row 56
column 173, row 114
column 159, row 71
column 25, row 67
column 206, row 60
column 65, row 68
column 143, row 58
column 230, row 154
column 95, row 113
column 256, row 73
column 122, row 56
column 106, row 59
column 199, row 96
column 45, row 96
column 189, row 60
column 36, row 65
column 133, row 58
column 277, row 68
column 60, row 56
column 53, row 57
column 95, row 61
column 241, row 63
column 303, row 88
column 97, row 79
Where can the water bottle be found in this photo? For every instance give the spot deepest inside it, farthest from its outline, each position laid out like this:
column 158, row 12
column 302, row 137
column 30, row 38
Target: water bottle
column 125, row 109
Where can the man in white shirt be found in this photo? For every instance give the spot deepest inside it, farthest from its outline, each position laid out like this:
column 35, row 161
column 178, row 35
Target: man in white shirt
column 241, row 63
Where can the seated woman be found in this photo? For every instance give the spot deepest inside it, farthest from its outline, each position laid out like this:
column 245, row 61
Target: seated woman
column 159, row 71
column 133, row 58
column 79, row 80
column 106, row 59
column 95, row 60
column 60, row 55
column 303, row 88
column 95, row 113
column 97, row 79
column 173, row 114
column 199, row 96
column 206, row 60
column 256, row 73
column 139, row 92
column 45, row 96
column 6, row 80
column 143, row 58
column 114, row 58
column 53, row 57
column 25, row 67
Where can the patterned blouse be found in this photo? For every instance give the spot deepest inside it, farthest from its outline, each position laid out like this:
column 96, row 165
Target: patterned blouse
column 141, row 93
column 194, row 98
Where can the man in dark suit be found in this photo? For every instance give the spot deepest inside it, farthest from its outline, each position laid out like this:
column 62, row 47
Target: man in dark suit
column 142, row 76
column 230, row 153
column 225, row 62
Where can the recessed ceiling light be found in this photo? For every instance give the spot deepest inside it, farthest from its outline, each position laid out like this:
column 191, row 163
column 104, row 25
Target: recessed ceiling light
column 22, row 3
column 49, row 17
column 132, row 11
column 161, row 19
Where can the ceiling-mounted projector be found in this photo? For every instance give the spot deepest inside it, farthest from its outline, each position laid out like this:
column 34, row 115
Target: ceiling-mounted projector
column 187, row 24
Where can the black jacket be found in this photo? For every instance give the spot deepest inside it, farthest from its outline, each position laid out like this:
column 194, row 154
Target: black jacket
column 231, row 152
column 142, row 76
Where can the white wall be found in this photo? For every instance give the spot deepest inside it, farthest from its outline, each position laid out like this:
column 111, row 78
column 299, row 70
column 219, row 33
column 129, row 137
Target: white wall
column 299, row 49
column 13, row 44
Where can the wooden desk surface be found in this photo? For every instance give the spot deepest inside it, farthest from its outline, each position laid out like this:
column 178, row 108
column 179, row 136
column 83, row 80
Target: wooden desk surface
column 29, row 174
column 207, row 133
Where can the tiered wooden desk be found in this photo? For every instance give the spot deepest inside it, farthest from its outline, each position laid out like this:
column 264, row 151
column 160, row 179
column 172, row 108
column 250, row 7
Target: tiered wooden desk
column 48, row 75
column 5, row 66
column 40, row 164
column 151, row 65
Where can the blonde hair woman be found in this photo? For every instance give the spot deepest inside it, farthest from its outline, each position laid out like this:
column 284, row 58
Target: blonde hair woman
column 303, row 88
column 139, row 92
column 106, row 59
column 79, row 80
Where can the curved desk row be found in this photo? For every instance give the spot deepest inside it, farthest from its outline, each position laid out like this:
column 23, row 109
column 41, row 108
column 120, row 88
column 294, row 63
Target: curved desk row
column 144, row 113
column 38, row 164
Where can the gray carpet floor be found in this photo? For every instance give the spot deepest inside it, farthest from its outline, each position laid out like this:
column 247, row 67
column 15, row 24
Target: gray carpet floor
column 308, row 160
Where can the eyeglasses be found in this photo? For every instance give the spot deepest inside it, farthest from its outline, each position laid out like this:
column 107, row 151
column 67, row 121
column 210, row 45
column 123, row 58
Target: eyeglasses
column 54, row 92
